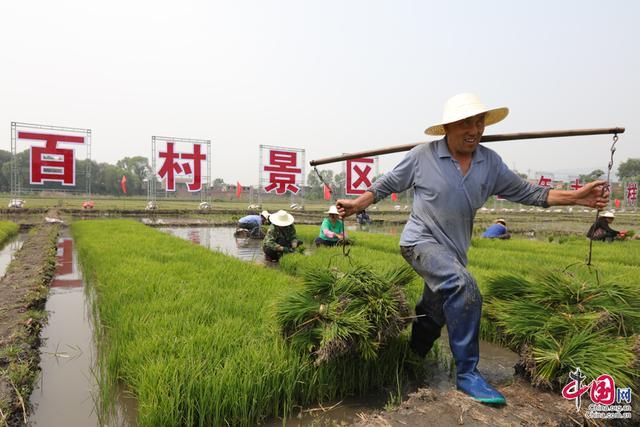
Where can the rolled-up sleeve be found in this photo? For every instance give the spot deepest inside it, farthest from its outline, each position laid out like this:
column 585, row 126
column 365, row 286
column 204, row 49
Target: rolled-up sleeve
column 515, row 189
column 398, row 180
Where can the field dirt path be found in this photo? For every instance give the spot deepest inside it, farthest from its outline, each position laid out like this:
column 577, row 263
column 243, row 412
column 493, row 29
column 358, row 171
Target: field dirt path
column 23, row 292
column 526, row 406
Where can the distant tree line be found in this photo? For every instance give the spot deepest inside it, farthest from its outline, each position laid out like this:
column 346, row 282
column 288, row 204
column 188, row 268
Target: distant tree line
column 105, row 178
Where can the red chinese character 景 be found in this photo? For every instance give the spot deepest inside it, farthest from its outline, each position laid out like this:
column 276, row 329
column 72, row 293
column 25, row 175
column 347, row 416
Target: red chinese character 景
column 50, row 163
column 603, row 390
column 358, row 175
column 283, row 171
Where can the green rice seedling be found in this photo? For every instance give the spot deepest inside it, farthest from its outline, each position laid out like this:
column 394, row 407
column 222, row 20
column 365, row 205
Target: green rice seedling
column 344, row 313
column 191, row 333
column 594, row 352
column 562, row 320
column 7, row 230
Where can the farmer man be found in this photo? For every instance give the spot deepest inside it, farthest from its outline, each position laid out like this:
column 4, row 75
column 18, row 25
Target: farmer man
column 281, row 236
column 452, row 178
column 253, row 223
column 497, row 230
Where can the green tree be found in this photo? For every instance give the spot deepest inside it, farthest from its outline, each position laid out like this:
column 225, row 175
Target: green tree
column 592, row 176
column 629, row 169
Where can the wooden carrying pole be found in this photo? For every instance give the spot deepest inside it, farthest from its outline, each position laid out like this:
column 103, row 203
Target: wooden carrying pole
column 485, row 138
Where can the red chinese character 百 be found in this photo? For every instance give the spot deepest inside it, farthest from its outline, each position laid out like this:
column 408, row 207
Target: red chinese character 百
column 51, row 163
column 358, row 175
column 171, row 167
column 283, row 171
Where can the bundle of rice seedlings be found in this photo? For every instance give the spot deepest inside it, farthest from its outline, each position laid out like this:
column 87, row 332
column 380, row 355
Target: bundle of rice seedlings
column 341, row 313
column 558, row 321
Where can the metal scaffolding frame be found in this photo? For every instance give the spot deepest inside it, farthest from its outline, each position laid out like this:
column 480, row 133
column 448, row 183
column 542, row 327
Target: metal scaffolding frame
column 152, row 189
column 15, row 186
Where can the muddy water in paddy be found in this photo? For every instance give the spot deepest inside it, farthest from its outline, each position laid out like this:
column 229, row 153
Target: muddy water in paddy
column 65, row 390
column 220, row 239
column 9, row 249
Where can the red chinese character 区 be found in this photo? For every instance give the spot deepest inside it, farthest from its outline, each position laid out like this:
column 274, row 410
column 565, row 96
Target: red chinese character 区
column 51, row 163
column 358, row 175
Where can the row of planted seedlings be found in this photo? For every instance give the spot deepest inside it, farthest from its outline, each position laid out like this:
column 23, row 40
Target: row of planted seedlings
column 194, row 335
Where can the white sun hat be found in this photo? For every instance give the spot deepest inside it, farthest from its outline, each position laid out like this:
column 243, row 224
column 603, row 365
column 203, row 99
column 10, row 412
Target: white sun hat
column 265, row 214
column 466, row 105
column 332, row 210
column 608, row 215
column 281, row 218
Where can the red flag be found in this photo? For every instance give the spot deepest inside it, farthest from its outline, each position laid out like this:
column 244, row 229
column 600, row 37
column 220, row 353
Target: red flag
column 238, row 189
column 394, row 197
column 123, row 184
column 327, row 192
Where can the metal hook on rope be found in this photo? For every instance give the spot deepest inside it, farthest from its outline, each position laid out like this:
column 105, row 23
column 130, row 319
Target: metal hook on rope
column 605, row 188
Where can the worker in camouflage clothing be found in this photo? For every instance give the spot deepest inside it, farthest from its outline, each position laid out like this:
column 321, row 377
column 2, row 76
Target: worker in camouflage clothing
column 281, row 237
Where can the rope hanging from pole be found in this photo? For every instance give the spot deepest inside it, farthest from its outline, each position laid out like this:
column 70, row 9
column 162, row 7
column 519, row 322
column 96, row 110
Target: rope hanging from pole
column 345, row 251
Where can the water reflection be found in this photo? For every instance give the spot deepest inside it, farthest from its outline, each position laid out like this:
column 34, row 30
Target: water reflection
column 8, row 252
column 220, row 239
column 63, row 393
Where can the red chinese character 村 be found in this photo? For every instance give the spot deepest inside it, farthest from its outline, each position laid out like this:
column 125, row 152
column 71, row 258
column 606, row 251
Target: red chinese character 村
column 170, row 166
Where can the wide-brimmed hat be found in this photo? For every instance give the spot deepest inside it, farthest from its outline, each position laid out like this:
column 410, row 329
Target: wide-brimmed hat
column 332, row 210
column 264, row 214
column 281, row 218
column 501, row 221
column 466, row 105
column 608, row 215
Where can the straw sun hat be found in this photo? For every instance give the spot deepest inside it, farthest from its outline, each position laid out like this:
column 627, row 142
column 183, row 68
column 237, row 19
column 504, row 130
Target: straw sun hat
column 466, row 105
column 264, row 214
column 332, row 210
column 281, row 218
column 608, row 215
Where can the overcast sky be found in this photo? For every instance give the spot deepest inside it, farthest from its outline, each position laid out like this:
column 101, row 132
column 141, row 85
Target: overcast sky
column 327, row 76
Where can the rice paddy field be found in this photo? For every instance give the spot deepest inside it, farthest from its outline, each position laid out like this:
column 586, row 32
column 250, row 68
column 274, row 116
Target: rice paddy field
column 192, row 334
column 7, row 230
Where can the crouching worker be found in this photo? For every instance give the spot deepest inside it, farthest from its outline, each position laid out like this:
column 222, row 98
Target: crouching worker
column 281, row 237
column 601, row 230
column 331, row 230
column 498, row 230
column 252, row 224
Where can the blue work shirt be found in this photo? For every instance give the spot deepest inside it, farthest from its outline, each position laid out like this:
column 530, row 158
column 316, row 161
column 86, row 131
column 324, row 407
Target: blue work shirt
column 494, row 230
column 251, row 220
column 445, row 200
